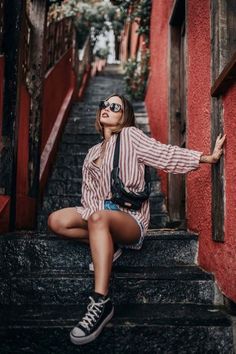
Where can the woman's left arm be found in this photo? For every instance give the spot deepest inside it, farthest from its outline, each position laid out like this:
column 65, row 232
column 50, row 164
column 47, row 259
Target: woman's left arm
column 217, row 152
column 169, row 158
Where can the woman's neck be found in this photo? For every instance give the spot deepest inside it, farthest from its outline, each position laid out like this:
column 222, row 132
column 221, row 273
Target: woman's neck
column 107, row 134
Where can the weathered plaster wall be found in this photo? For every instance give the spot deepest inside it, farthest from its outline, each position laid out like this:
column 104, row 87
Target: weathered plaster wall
column 226, row 262
column 198, row 113
column 157, row 91
column 215, row 257
column 218, row 258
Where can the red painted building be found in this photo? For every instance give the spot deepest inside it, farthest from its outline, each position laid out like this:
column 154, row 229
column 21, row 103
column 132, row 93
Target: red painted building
column 191, row 98
column 35, row 58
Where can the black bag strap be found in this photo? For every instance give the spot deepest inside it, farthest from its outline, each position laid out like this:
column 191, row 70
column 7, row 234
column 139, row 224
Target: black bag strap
column 117, row 152
column 147, row 175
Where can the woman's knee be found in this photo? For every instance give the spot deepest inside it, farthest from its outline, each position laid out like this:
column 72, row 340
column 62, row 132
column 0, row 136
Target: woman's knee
column 97, row 218
column 55, row 222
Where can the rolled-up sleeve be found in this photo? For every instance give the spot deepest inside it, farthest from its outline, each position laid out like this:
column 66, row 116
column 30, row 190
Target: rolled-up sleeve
column 169, row 158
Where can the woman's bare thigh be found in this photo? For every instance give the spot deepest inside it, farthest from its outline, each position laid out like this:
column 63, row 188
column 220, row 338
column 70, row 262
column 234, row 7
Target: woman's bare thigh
column 68, row 222
column 123, row 227
column 70, row 218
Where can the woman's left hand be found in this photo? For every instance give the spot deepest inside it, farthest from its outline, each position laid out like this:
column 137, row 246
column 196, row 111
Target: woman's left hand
column 218, row 149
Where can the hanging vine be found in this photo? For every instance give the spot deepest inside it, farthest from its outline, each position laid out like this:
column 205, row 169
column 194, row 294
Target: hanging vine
column 137, row 70
column 136, row 76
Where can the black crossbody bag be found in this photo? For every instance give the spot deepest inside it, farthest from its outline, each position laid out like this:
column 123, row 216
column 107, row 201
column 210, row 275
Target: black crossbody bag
column 120, row 194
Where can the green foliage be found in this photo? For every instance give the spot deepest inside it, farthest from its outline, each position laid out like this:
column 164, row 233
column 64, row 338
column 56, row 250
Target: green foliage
column 117, row 19
column 142, row 11
column 136, row 76
column 89, row 17
column 137, row 71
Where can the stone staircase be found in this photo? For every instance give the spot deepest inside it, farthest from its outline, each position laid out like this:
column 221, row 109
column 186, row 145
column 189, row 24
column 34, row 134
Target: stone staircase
column 64, row 187
column 164, row 303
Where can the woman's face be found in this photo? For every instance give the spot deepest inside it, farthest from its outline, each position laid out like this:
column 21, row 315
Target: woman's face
column 109, row 117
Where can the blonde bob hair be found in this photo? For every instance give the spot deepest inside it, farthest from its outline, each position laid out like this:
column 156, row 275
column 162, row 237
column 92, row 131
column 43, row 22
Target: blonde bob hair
column 127, row 119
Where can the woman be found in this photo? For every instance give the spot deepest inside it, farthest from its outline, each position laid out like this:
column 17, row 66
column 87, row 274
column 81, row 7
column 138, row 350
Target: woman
column 103, row 224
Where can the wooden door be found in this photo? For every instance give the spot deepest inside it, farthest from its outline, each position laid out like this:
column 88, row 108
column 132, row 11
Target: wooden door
column 177, row 110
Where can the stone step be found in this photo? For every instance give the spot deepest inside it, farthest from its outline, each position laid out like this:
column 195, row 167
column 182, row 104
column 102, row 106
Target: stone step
column 92, row 138
column 140, row 328
column 179, row 284
column 75, row 148
column 66, row 172
column 80, row 129
column 85, row 115
column 128, row 285
column 103, row 88
column 42, row 224
column 156, row 203
column 55, row 202
column 98, row 92
column 64, row 188
column 158, row 220
column 27, row 251
column 70, row 159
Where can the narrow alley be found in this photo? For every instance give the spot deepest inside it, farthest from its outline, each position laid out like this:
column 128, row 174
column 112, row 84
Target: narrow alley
column 177, row 293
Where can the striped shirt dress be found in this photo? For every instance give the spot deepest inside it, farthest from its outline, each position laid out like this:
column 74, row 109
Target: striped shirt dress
column 136, row 151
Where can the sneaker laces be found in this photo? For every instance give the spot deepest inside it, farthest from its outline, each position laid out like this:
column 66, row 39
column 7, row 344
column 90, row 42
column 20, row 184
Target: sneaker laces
column 94, row 309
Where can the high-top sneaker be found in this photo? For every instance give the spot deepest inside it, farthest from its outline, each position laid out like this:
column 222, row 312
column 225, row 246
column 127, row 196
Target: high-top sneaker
column 99, row 311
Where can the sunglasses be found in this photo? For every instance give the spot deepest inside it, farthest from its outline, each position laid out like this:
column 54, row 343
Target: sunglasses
column 114, row 107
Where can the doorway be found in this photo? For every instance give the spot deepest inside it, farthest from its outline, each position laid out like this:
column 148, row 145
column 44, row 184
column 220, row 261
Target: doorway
column 177, row 109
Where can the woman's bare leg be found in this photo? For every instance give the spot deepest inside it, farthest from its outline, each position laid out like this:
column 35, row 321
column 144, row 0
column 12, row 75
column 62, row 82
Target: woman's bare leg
column 68, row 222
column 106, row 227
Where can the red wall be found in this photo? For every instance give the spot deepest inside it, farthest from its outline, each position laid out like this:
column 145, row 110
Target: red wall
column 157, row 91
column 218, row 258
column 4, row 213
column 124, row 42
column 59, row 90
column 134, row 38
column 58, row 82
column 226, row 262
column 198, row 115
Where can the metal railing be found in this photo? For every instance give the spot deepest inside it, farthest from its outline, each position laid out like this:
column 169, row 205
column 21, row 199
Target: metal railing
column 59, row 40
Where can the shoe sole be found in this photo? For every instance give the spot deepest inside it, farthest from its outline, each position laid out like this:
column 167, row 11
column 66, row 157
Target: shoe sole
column 93, row 336
column 91, row 267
